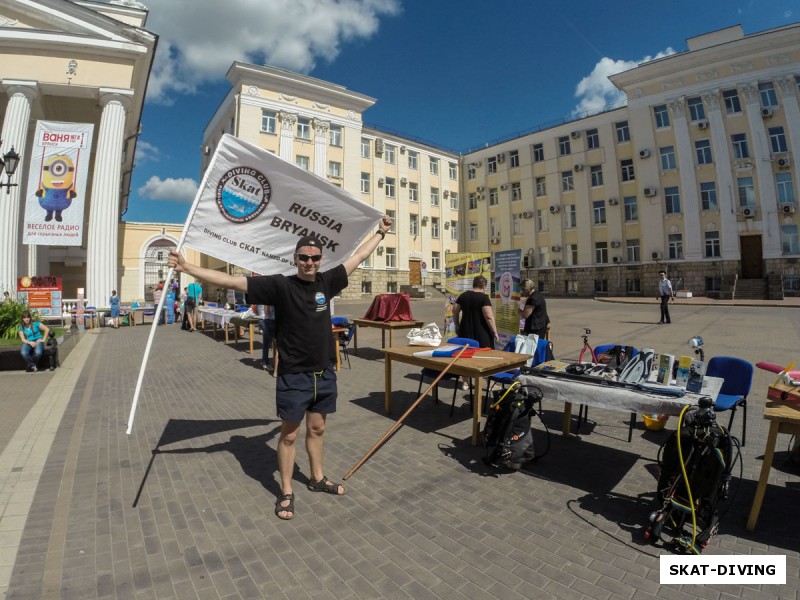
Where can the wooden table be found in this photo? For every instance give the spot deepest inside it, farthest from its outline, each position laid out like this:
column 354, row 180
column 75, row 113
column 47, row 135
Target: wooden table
column 336, row 331
column 219, row 317
column 784, row 417
column 485, row 363
column 384, row 326
column 251, row 326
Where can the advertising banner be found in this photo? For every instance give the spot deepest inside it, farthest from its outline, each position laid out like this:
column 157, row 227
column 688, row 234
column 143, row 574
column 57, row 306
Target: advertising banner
column 56, row 194
column 507, row 265
column 42, row 294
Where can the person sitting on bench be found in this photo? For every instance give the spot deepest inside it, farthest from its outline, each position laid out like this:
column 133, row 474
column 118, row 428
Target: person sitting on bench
column 32, row 334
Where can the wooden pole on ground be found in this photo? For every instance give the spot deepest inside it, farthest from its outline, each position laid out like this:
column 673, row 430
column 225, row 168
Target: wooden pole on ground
column 399, row 422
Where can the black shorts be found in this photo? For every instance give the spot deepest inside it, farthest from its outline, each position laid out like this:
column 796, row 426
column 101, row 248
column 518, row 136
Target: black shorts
column 298, row 393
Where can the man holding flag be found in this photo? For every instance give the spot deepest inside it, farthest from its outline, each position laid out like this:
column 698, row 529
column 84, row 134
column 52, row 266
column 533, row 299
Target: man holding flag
column 306, row 384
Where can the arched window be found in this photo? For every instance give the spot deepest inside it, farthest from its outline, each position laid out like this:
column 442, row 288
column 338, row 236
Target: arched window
column 155, row 265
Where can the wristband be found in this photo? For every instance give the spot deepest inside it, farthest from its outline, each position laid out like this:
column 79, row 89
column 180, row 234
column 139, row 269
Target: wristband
column 382, row 233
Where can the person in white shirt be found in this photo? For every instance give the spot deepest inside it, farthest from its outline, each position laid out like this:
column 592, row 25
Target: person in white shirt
column 665, row 292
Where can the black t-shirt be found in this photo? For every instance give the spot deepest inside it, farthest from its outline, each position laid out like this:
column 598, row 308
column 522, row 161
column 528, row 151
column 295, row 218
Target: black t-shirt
column 471, row 322
column 302, row 316
column 538, row 319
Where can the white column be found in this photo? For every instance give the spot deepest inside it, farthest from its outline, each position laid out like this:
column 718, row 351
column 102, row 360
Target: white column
column 792, row 111
column 728, row 230
column 101, row 243
column 692, row 249
column 15, row 134
column 288, row 123
column 321, row 147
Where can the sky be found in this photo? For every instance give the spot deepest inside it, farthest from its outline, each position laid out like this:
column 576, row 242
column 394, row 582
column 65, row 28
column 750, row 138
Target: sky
column 457, row 74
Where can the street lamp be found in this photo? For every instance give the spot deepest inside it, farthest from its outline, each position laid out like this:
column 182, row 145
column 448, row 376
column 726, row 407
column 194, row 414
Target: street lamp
column 9, row 163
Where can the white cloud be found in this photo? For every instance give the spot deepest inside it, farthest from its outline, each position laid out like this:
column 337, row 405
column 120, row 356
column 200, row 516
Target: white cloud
column 595, row 91
column 145, row 152
column 169, row 189
column 199, row 40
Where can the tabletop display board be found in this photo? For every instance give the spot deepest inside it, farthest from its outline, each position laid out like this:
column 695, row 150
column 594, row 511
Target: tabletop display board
column 42, row 294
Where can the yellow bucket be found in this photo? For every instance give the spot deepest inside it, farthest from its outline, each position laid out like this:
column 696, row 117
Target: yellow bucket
column 655, row 422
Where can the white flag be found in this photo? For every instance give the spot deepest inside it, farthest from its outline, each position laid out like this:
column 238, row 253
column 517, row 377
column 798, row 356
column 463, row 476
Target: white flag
column 253, row 207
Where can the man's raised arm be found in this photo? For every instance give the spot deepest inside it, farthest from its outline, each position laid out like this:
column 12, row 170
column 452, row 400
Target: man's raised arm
column 218, row 278
column 368, row 247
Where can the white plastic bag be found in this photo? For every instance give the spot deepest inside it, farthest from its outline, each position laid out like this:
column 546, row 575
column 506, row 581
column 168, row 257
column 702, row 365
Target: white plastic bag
column 425, row 336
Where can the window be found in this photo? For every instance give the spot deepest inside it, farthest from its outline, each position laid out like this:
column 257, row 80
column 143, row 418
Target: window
column 601, row 286
column 703, row 150
column 367, row 264
column 667, row 158
column 768, row 96
column 435, row 228
column 436, row 261
column 541, row 220
column 563, row 145
column 473, row 232
column 747, row 193
column 596, row 172
column 303, row 128
column 494, row 228
column 633, row 286
column 365, row 183
column 696, row 110
column 434, row 166
column 412, row 160
column 541, row 187
column 389, row 187
column 516, row 224
column 572, row 255
column 302, row 162
column 733, row 105
column 454, row 200
column 777, row 139
column 599, row 212
column 413, row 225
column 785, row 188
column 739, row 141
column 570, row 216
column 513, row 158
column 567, row 181
column 269, row 121
column 708, row 195
column 393, row 216
column 631, row 208
column 538, row 153
column 592, row 139
column 389, row 153
column 675, row 243
column 789, row 243
column 453, row 171
column 712, row 244
column 454, row 230
column 516, row 191
column 391, row 258
column 491, row 164
column 672, row 199
column 335, row 135
column 473, row 201
column 601, row 252
column 661, row 114
column 364, row 148
column 623, row 132
column 470, row 172
column 434, row 196
column 713, row 284
column 632, row 251
column 626, row 167
column 413, row 192
column 493, row 196
column 335, row 169
column 366, row 287
column 544, row 257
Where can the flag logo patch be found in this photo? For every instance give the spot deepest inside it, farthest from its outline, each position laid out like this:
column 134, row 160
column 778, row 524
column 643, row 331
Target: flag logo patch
column 242, row 194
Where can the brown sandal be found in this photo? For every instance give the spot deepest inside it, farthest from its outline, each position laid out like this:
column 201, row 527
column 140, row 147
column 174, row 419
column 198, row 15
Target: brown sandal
column 289, row 508
column 326, row 485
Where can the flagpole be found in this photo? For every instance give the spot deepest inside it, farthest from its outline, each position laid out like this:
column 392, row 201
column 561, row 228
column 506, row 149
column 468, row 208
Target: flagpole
column 160, row 306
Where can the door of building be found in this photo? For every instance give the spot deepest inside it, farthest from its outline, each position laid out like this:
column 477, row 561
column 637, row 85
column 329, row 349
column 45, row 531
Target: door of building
column 415, row 272
column 752, row 258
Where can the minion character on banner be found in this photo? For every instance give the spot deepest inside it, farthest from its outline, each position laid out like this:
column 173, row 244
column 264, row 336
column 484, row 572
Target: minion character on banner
column 57, row 186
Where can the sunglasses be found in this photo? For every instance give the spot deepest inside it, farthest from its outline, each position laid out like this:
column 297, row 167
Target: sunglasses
column 313, row 257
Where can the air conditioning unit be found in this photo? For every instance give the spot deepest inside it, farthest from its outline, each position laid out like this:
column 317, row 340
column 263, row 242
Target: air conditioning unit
column 575, row 135
column 378, row 146
column 479, row 189
column 495, row 240
column 784, row 162
column 555, row 208
column 578, row 167
column 476, row 164
column 381, row 182
column 766, row 112
column 403, row 181
column 787, row 209
column 481, row 197
column 556, row 263
column 749, row 212
column 424, row 219
column 613, row 201
column 402, row 149
column 504, row 186
column 380, row 249
column 447, row 224
column 702, row 124
column 615, row 244
column 656, row 255
column 650, row 191
column 446, row 193
column 206, row 150
column 527, row 214
column 617, row 259
column 555, row 248
column 501, row 157
column 645, row 153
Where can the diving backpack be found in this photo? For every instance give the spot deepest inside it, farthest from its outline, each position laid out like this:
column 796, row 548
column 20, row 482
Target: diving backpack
column 507, row 435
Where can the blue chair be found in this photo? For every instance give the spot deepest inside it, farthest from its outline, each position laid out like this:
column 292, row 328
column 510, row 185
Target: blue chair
column 544, row 348
column 738, row 376
column 344, row 340
column 433, row 374
column 340, row 321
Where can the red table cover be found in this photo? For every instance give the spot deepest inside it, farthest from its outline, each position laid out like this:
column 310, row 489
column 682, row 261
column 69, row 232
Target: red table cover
column 390, row 307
